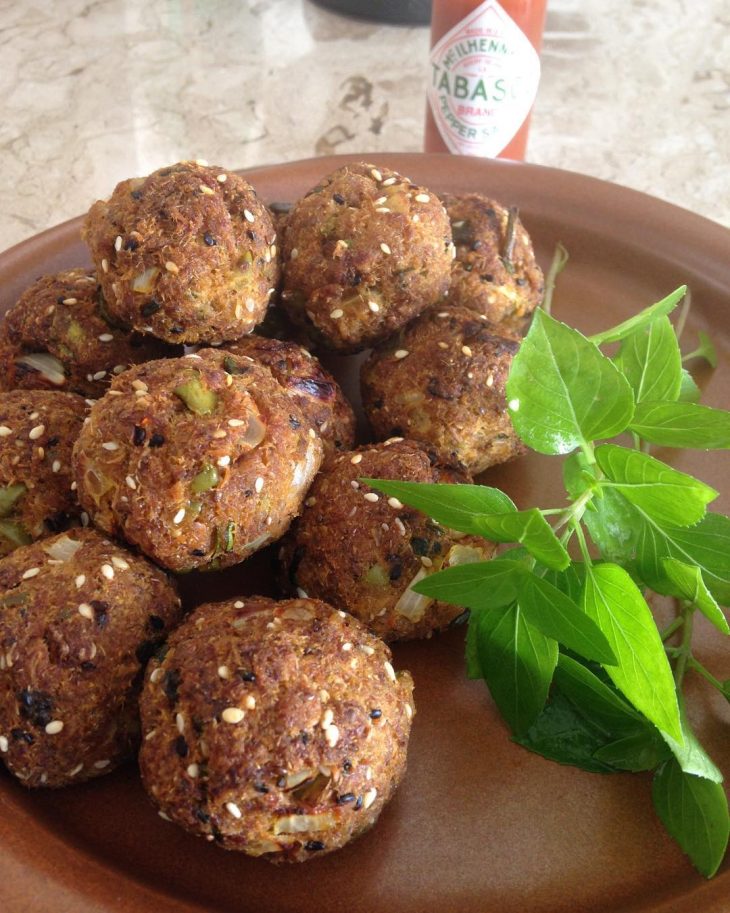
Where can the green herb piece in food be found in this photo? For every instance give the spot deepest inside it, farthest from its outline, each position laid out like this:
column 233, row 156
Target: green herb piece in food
column 9, row 495
column 14, row 533
column 206, row 479
column 199, row 398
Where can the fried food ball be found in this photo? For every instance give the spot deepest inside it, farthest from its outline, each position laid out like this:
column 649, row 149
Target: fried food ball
column 441, row 380
column 312, row 388
column 186, row 254
column 199, row 461
column 495, row 272
column 37, row 432
column 362, row 254
column 276, row 729
column 58, row 336
column 79, row 618
column 388, row 546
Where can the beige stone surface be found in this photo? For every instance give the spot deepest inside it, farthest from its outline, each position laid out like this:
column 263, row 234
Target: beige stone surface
column 93, row 91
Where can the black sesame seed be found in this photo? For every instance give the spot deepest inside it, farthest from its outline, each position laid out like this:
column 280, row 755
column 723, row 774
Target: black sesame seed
column 252, row 236
column 520, row 281
column 139, row 435
column 460, row 619
column 294, row 423
column 88, row 666
column 358, row 804
column 157, row 440
column 156, row 623
column 356, row 278
column 181, row 746
column 209, row 239
column 260, row 788
column 376, row 713
column 347, row 767
column 281, row 782
column 248, row 676
column 313, row 846
column 150, row 308
column 202, row 816
column 52, row 441
column 131, row 244
column 198, row 552
column 172, row 683
column 176, row 330
column 36, row 706
column 396, row 567
column 20, row 735
column 101, row 610
column 344, row 798
column 338, row 198
column 419, row 546
column 60, row 299
column 136, row 194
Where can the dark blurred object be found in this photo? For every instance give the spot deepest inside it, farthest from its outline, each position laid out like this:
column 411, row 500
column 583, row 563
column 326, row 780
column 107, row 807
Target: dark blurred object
column 413, row 12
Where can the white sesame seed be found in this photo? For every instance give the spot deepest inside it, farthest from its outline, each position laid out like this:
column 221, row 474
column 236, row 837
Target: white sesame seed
column 327, row 717
column 86, row 610
column 70, row 301
column 401, row 353
column 31, row 572
column 179, row 516
column 389, row 670
column 422, row 198
column 156, row 675
column 443, row 345
column 490, row 380
column 106, row 337
column 84, row 518
column 172, row 267
column 369, row 797
column 166, row 817
column 388, row 182
column 470, row 375
column 110, row 445
column 250, row 702
column 235, row 423
column 120, row 563
column 108, row 571
column 415, row 218
column 337, row 313
column 139, row 385
column 221, row 178
column 100, row 765
column 384, row 247
column 466, row 350
column 100, row 375
column 224, row 672
column 354, row 484
column 273, row 250
column 223, row 461
column 294, row 253
column 371, row 496
column 207, row 190
column 3, row 743
column 381, row 209
column 409, row 711
column 347, row 646
column 248, row 215
column 80, row 581
column 56, row 465
column 374, row 306
column 180, row 723
column 54, row 727
column 259, row 484
column 232, row 715
column 514, row 405
column 238, row 604
column 233, row 809
column 357, row 458
column 401, row 527
column 36, row 432
column 131, row 483
column 367, row 649
column 192, row 770
column 117, row 246
column 426, row 561
column 105, row 265
column 376, row 174
column 5, row 431
column 394, row 502
column 77, row 769
column 332, row 735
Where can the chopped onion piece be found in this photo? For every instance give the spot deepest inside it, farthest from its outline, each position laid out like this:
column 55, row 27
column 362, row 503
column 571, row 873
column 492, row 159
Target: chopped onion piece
column 46, row 364
column 300, row 824
column 414, row 605
column 144, row 282
column 63, row 549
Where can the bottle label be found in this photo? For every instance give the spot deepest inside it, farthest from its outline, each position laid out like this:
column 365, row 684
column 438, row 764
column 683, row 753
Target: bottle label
column 484, row 79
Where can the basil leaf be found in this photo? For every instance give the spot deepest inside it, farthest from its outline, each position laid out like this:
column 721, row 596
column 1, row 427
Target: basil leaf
column 690, row 755
column 642, row 673
column 689, row 392
column 668, row 496
column 481, row 585
column 661, row 308
column 600, row 701
column 641, row 750
column 706, row 349
column 706, row 545
column 650, row 360
column 529, row 528
column 517, row 663
column 688, row 584
column 695, row 812
column 557, row 616
column 455, row 506
column 473, row 666
column 682, row 425
column 570, row 581
column 563, row 392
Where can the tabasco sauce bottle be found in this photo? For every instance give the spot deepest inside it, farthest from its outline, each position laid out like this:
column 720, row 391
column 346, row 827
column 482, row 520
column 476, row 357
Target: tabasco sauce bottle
column 484, row 74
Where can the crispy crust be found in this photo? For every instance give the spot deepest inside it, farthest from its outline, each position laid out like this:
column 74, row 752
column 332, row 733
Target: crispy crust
column 362, row 253
column 388, row 545
column 505, row 291
column 312, row 388
column 441, row 380
column 79, row 617
column 196, row 258
column 196, row 489
column 37, row 432
column 277, row 729
column 64, row 315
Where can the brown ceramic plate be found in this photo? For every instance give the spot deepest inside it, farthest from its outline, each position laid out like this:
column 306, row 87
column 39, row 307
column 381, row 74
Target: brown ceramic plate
column 479, row 825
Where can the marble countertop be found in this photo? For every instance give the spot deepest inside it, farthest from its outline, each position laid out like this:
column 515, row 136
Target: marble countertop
column 94, row 91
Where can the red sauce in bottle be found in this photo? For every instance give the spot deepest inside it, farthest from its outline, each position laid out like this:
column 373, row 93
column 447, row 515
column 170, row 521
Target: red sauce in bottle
column 483, row 75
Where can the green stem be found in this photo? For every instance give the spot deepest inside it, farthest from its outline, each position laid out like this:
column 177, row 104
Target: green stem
column 578, row 529
column 692, row 663
column 670, row 629
column 575, row 511
column 560, row 258
column 684, row 649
